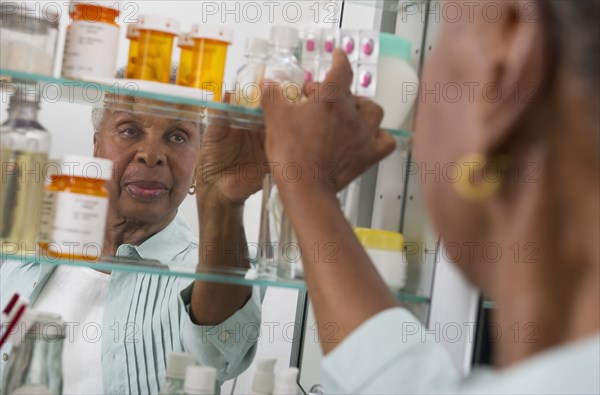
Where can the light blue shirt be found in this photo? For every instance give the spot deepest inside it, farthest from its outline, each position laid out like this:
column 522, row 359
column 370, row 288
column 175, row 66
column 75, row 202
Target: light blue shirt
column 386, row 355
column 146, row 316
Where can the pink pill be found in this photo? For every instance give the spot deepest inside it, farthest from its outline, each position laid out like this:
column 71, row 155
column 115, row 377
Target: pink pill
column 368, row 46
column 329, row 45
column 310, row 45
column 365, row 79
column 348, row 45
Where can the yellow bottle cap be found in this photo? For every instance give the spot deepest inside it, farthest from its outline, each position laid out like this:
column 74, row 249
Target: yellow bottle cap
column 380, row 239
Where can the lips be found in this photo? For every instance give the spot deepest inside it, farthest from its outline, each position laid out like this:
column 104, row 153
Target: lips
column 145, row 189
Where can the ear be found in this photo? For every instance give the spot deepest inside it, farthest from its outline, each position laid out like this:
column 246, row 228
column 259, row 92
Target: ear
column 518, row 71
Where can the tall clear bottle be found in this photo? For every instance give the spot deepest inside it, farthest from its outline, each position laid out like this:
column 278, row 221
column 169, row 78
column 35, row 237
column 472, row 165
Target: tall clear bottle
column 282, row 65
column 249, row 76
column 24, row 145
column 275, row 236
column 35, row 364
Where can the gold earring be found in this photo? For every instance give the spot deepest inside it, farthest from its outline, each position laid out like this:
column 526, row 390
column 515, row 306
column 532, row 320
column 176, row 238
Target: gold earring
column 478, row 179
column 192, row 190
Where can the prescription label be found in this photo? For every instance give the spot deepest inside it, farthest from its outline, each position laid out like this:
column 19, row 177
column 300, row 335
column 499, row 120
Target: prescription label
column 79, row 225
column 91, row 50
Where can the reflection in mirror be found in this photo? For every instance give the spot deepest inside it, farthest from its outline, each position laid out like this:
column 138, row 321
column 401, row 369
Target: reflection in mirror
column 122, row 325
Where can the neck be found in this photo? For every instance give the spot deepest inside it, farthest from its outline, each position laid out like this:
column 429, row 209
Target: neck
column 546, row 285
column 121, row 230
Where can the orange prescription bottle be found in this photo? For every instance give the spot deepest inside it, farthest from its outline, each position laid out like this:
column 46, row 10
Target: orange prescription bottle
column 209, row 56
column 80, row 207
column 133, row 35
column 92, row 40
column 155, row 48
column 186, row 45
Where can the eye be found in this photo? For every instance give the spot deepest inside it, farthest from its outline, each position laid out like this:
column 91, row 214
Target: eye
column 178, row 137
column 128, row 131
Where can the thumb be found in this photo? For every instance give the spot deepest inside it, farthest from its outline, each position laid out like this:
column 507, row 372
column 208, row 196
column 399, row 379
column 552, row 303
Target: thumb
column 385, row 144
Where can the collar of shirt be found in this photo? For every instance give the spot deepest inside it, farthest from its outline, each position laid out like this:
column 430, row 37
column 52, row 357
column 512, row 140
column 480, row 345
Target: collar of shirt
column 165, row 245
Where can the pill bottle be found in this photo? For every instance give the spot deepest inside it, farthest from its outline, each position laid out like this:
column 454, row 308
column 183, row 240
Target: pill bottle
column 385, row 248
column 81, row 206
column 397, row 81
column 133, row 35
column 186, row 45
column 157, row 34
column 92, row 40
column 28, row 36
column 208, row 63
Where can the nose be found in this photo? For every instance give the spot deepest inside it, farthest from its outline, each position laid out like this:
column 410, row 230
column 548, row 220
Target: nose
column 151, row 153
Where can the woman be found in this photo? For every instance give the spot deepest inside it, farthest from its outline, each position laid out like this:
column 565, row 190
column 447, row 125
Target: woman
column 552, row 125
column 122, row 326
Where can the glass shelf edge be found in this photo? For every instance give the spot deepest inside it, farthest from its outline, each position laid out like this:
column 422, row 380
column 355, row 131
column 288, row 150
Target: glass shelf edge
column 234, row 276
column 397, row 6
column 170, row 99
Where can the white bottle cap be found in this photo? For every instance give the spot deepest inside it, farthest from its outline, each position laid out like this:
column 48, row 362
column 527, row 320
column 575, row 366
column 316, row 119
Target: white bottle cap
column 178, row 363
column 217, row 33
column 200, row 380
column 264, row 378
column 286, row 383
column 284, row 37
column 158, row 23
column 86, row 167
column 132, row 31
column 257, row 47
column 185, row 40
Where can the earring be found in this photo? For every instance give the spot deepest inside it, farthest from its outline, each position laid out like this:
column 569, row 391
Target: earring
column 192, row 190
column 478, row 179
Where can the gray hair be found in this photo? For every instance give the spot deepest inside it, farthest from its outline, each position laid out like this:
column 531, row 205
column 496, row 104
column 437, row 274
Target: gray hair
column 98, row 112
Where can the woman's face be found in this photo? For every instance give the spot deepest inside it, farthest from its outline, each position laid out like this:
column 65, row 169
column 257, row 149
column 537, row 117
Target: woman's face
column 448, row 127
column 154, row 162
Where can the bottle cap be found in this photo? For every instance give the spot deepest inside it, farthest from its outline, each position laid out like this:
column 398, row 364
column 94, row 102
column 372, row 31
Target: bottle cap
column 49, row 325
column 264, row 378
column 257, row 47
column 394, row 46
column 380, row 239
column 86, row 167
column 185, row 40
column 200, row 380
column 132, row 31
column 25, row 93
column 284, row 37
column 177, row 364
column 37, row 11
column 112, row 4
column 158, row 23
column 286, row 382
column 217, row 33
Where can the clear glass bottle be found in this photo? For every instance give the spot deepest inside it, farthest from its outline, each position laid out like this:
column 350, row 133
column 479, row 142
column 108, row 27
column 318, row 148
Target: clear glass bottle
column 176, row 367
column 282, row 65
column 24, row 146
column 35, row 364
column 249, row 76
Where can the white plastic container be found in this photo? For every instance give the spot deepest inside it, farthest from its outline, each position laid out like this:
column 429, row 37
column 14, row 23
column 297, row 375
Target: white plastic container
column 286, row 382
column 177, row 365
column 264, row 378
column 282, row 65
column 385, row 248
column 200, row 380
column 397, row 81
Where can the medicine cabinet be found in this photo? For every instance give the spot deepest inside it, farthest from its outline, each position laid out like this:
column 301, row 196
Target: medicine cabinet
column 389, row 193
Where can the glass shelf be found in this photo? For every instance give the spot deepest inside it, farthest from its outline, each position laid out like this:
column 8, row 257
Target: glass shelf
column 398, row 6
column 235, row 276
column 167, row 100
